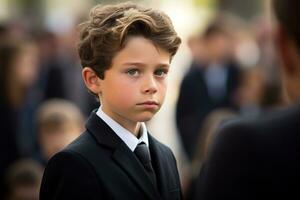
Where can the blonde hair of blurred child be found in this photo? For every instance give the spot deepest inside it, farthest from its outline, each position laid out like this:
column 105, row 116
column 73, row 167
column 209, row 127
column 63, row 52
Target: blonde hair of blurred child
column 59, row 123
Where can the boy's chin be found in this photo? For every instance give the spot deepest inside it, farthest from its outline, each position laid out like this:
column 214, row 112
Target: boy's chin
column 146, row 117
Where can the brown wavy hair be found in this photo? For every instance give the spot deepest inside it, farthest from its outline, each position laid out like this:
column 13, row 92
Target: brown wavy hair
column 108, row 28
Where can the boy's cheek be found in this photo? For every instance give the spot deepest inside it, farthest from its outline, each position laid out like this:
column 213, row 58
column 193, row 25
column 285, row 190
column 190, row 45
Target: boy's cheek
column 163, row 90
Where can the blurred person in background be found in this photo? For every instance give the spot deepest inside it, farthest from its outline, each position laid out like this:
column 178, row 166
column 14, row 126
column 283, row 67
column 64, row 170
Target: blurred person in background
column 256, row 94
column 258, row 158
column 50, row 83
column 210, row 83
column 211, row 124
column 3, row 30
column 60, row 70
column 23, row 180
column 59, row 122
column 18, row 71
column 251, row 90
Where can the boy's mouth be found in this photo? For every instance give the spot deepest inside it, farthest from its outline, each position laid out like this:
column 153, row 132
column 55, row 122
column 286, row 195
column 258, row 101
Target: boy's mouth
column 149, row 105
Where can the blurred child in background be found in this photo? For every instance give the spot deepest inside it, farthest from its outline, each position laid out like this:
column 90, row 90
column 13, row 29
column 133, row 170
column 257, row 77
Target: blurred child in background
column 18, row 71
column 23, row 180
column 59, row 123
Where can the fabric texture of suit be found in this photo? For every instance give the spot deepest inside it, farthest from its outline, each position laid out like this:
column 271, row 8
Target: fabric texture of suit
column 255, row 159
column 99, row 165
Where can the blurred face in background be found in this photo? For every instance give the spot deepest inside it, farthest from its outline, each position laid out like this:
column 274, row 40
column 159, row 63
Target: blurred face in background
column 56, row 138
column 219, row 47
column 251, row 89
column 23, row 192
column 19, row 69
column 25, row 67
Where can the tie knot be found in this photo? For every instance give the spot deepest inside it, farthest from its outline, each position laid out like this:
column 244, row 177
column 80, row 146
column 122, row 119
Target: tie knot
column 143, row 154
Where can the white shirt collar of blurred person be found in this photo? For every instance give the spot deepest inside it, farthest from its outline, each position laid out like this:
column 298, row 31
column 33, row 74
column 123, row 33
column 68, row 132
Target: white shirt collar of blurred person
column 128, row 138
column 216, row 76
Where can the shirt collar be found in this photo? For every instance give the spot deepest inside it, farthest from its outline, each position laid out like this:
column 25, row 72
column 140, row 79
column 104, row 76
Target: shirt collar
column 128, row 138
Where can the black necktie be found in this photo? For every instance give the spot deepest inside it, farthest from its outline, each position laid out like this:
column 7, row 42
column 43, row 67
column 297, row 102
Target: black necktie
column 143, row 154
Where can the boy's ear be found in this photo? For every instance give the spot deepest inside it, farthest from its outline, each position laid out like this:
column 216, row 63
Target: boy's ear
column 91, row 80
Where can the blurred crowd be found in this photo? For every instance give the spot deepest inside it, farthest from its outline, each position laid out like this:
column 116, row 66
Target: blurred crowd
column 233, row 74
column 43, row 101
column 43, row 104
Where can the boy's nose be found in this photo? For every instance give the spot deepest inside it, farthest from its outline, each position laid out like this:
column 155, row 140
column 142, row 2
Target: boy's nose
column 150, row 86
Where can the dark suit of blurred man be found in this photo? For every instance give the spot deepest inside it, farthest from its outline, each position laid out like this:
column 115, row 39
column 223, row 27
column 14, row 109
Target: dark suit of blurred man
column 260, row 158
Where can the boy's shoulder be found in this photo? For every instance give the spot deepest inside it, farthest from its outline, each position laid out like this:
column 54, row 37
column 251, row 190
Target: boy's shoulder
column 82, row 151
column 160, row 148
column 84, row 141
column 79, row 148
column 157, row 143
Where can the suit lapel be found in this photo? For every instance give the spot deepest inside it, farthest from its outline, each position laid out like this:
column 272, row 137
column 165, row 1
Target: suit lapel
column 122, row 155
column 126, row 159
column 157, row 162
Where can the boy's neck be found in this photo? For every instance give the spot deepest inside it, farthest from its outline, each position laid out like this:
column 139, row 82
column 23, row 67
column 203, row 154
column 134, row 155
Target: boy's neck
column 132, row 127
column 138, row 131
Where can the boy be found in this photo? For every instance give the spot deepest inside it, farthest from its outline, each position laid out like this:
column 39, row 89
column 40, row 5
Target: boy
column 125, row 51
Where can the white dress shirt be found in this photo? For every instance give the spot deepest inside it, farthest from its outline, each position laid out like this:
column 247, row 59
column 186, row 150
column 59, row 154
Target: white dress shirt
column 129, row 138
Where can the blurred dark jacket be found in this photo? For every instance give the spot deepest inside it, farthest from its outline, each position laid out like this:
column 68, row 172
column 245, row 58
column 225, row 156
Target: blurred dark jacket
column 195, row 102
column 9, row 152
column 257, row 158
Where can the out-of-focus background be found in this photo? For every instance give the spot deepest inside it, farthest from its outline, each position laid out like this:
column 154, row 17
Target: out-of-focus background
column 226, row 67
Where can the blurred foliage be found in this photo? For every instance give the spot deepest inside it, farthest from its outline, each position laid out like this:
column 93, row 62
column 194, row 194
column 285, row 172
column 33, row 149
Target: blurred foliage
column 206, row 3
column 27, row 6
column 25, row 3
column 243, row 8
column 113, row 1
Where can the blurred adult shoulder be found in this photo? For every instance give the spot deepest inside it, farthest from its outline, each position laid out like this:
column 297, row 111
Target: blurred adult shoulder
column 265, row 124
column 253, row 156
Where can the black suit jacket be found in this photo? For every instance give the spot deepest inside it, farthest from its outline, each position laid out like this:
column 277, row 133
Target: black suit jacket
column 99, row 165
column 255, row 159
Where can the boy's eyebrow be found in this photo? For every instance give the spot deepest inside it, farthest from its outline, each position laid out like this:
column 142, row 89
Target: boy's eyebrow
column 144, row 65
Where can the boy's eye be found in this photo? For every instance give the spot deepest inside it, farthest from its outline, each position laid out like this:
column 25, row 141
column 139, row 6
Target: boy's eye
column 161, row 72
column 133, row 72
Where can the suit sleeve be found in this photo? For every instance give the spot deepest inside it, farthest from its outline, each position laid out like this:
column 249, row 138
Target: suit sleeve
column 230, row 167
column 69, row 176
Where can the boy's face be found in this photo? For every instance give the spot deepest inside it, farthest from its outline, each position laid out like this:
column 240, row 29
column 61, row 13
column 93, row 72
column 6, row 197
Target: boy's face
column 134, row 87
